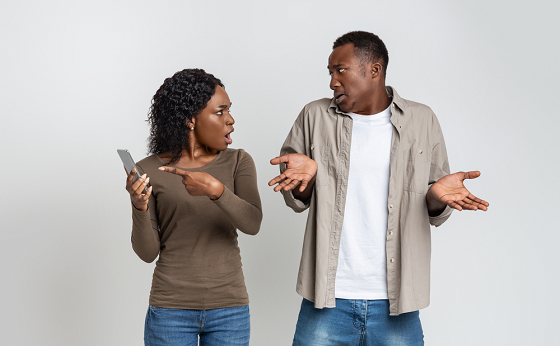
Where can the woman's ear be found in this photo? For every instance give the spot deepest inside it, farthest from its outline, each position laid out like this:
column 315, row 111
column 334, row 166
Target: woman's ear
column 191, row 123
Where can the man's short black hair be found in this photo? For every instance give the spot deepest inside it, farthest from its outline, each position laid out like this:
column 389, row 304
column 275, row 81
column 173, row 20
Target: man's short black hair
column 368, row 47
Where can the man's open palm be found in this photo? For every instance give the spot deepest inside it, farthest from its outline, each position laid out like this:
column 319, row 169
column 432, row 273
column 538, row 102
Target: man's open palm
column 451, row 191
column 300, row 169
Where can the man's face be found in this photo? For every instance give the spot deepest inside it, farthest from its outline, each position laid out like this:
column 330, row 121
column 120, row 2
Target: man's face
column 351, row 81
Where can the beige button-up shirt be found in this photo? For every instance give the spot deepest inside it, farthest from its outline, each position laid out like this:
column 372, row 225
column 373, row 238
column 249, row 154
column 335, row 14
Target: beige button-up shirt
column 418, row 159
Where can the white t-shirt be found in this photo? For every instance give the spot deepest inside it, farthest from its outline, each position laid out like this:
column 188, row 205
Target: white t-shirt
column 362, row 267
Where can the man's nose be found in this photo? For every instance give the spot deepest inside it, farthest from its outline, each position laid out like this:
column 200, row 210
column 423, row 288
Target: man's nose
column 334, row 83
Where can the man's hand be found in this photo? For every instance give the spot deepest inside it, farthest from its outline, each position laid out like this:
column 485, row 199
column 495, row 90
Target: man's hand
column 198, row 183
column 451, row 191
column 300, row 170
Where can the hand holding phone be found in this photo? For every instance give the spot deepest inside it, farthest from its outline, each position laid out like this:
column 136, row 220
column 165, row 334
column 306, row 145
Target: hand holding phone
column 136, row 185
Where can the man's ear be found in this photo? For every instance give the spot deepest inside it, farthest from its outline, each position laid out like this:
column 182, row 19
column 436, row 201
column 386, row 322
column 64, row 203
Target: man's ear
column 376, row 70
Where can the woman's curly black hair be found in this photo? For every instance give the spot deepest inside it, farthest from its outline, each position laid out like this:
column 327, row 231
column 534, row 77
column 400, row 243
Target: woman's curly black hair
column 175, row 103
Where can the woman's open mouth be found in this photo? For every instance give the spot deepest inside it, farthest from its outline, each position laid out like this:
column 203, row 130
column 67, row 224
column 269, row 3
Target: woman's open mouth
column 228, row 138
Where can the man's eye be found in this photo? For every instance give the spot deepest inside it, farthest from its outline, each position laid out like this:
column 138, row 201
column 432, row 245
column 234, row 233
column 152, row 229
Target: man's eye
column 340, row 70
column 220, row 112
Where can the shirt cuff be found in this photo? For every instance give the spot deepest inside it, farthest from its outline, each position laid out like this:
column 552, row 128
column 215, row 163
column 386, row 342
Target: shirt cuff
column 140, row 216
column 441, row 218
column 294, row 203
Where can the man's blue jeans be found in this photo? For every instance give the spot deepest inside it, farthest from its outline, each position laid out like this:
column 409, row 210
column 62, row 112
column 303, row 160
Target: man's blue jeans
column 357, row 323
column 227, row 327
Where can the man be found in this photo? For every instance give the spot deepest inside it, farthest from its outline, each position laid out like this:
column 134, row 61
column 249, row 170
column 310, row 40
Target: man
column 372, row 168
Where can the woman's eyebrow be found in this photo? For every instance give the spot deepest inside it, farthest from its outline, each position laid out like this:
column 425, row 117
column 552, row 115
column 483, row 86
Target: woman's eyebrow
column 225, row 106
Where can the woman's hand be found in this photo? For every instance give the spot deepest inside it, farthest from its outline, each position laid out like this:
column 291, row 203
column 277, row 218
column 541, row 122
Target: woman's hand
column 198, row 183
column 136, row 190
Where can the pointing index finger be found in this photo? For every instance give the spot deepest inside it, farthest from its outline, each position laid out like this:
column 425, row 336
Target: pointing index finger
column 174, row 170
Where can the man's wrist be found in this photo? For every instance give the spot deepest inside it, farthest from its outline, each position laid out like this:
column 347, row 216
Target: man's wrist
column 434, row 204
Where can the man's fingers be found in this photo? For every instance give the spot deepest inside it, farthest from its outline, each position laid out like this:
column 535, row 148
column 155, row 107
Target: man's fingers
column 174, row 170
column 277, row 179
column 465, row 205
column 292, row 185
column 478, row 200
column 455, row 205
column 303, row 186
column 280, row 159
column 283, row 185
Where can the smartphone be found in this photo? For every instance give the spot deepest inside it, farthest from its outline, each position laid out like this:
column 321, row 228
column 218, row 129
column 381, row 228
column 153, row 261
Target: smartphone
column 129, row 164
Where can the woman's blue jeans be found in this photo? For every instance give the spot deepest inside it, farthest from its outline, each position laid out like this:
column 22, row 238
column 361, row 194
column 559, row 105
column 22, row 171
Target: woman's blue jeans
column 227, row 327
column 357, row 323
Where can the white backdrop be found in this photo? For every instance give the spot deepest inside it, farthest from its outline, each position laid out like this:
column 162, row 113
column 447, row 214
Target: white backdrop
column 76, row 82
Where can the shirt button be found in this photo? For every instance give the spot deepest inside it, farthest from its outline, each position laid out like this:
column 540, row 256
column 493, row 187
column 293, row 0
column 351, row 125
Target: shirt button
column 390, row 206
column 390, row 232
column 392, row 260
column 312, row 147
column 420, row 151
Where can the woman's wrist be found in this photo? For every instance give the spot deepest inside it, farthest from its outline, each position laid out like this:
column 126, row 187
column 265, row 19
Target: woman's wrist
column 142, row 207
column 216, row 190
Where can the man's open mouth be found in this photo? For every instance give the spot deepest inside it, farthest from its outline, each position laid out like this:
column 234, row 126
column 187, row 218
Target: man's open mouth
column 338, row 98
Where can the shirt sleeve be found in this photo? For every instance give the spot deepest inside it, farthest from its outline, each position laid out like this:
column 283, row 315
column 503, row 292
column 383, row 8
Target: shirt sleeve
column 243, row 205
column 145, row 230
column 439, row 167
column 294, row 143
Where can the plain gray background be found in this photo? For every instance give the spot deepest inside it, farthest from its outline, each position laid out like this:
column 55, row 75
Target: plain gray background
column 76, row 82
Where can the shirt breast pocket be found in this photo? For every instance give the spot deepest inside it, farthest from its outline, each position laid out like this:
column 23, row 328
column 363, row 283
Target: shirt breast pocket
column 416, row 169
column 323, row 156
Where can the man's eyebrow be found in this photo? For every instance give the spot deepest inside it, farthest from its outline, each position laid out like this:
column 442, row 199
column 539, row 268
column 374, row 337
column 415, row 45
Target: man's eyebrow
column 334, row 66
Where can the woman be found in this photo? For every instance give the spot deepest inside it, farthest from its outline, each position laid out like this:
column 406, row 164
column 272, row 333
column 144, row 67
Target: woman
column 198, row 289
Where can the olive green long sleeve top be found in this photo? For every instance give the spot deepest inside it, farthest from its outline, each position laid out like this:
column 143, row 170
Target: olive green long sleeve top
column 199, row 264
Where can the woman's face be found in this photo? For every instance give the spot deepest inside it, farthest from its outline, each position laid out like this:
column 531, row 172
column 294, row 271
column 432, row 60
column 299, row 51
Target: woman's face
column 213, row 126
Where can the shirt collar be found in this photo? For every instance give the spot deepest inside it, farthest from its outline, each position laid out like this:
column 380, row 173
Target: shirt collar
column 391, row 92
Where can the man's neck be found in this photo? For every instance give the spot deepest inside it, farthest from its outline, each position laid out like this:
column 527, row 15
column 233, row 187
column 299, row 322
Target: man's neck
column 379, row 102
